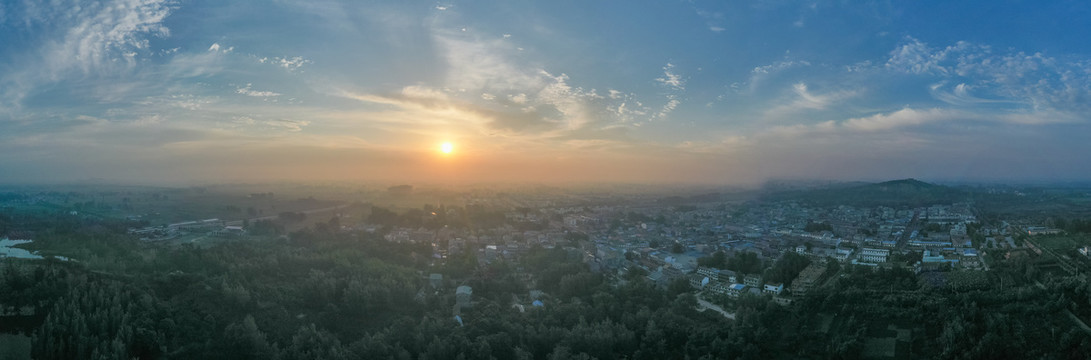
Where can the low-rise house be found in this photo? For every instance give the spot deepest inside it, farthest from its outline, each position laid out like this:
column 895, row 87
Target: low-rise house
column 774, row 289
column 807, row 279
column 735, row 290
column 752, row 280
column 874, row 255
column 464, row 296
column 697, row 280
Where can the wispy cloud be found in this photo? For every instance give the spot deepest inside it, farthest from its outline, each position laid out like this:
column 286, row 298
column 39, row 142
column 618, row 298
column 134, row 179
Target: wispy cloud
column 671, row 104
column 95, row 39
column 671, row 78
column 289, row 63
column 759, row 74
column 901, row 118
column 246, row 90
column 1037, row 81
column 803, row 99
column 217, row 48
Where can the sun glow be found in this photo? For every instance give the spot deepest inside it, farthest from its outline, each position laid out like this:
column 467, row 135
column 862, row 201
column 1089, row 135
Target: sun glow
column 446, row 148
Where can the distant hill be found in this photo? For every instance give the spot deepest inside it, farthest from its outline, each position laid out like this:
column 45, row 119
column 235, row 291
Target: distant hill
column 895, row 193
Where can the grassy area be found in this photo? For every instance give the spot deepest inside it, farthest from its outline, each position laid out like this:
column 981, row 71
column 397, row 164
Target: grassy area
column 14, row 347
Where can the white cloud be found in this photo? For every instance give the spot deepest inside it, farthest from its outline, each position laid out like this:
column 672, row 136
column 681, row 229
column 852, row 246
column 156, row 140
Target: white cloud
column 901, row 118
column 479, row 64
column 671, row 104
column 915, row 57
column 99, row 32
column 185, row 101
column 216, row 48
column 716, row 28
column 777, row 67
column 959, row 95
column 424, row 93
column 250, row 92
column 760, row 73
column 804, row 99
column 1033, row 81
column 671, row 78
column 286, row 124
column 292, row 64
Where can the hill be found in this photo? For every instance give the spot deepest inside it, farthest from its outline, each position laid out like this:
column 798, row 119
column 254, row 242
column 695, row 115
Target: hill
column 895, row 193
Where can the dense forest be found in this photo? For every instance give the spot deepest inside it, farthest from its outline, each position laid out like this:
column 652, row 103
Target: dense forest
column 323, row 294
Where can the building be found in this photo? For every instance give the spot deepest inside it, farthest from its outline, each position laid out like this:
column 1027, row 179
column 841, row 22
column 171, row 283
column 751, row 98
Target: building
column 970, row 259
column 752, row 280
column 232, row 231
column 729, row 276
column 436, row 280
column 874, row 255
column 773, row 289
column 931, row 261
column 697, row 280
column 711, row 273
column 807, row 279
column 735, row 290
column 1041, row 230
column 717, row 287
column 464, row 296
column 198, row 226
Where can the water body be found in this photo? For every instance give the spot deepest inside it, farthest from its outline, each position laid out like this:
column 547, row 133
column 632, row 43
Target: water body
column 7, row 249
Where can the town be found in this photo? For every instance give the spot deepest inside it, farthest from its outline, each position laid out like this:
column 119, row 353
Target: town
column 520, row 253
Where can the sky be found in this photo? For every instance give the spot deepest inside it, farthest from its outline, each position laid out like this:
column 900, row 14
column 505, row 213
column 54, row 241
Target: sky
column 715, row 92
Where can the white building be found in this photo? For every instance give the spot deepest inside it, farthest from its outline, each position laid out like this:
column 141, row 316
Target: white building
column 874, row 255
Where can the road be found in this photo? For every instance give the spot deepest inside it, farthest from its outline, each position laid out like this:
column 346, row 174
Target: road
column 705, row 305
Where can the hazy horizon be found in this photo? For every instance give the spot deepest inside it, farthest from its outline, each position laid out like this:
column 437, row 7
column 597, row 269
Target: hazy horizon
column 708, row 93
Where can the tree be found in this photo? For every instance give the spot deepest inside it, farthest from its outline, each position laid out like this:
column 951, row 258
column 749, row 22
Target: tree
column 309, row 343
column 718, row 260
column 244, row 341
column 745, row 262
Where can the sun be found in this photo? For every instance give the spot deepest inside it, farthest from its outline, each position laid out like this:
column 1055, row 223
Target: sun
column 446, row 148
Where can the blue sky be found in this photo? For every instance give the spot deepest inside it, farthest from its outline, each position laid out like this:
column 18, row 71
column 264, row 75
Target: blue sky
column 635, row 91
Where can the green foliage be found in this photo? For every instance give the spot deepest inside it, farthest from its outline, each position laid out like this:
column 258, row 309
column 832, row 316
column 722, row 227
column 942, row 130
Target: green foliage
column 331, row 295
column 814, row 227
column 718, row 260
column 787, row 268
column 744, row 262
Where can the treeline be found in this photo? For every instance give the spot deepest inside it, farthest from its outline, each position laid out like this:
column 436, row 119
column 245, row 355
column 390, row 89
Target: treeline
column 813, row 227
column 1074, row 225
column 432, row 217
